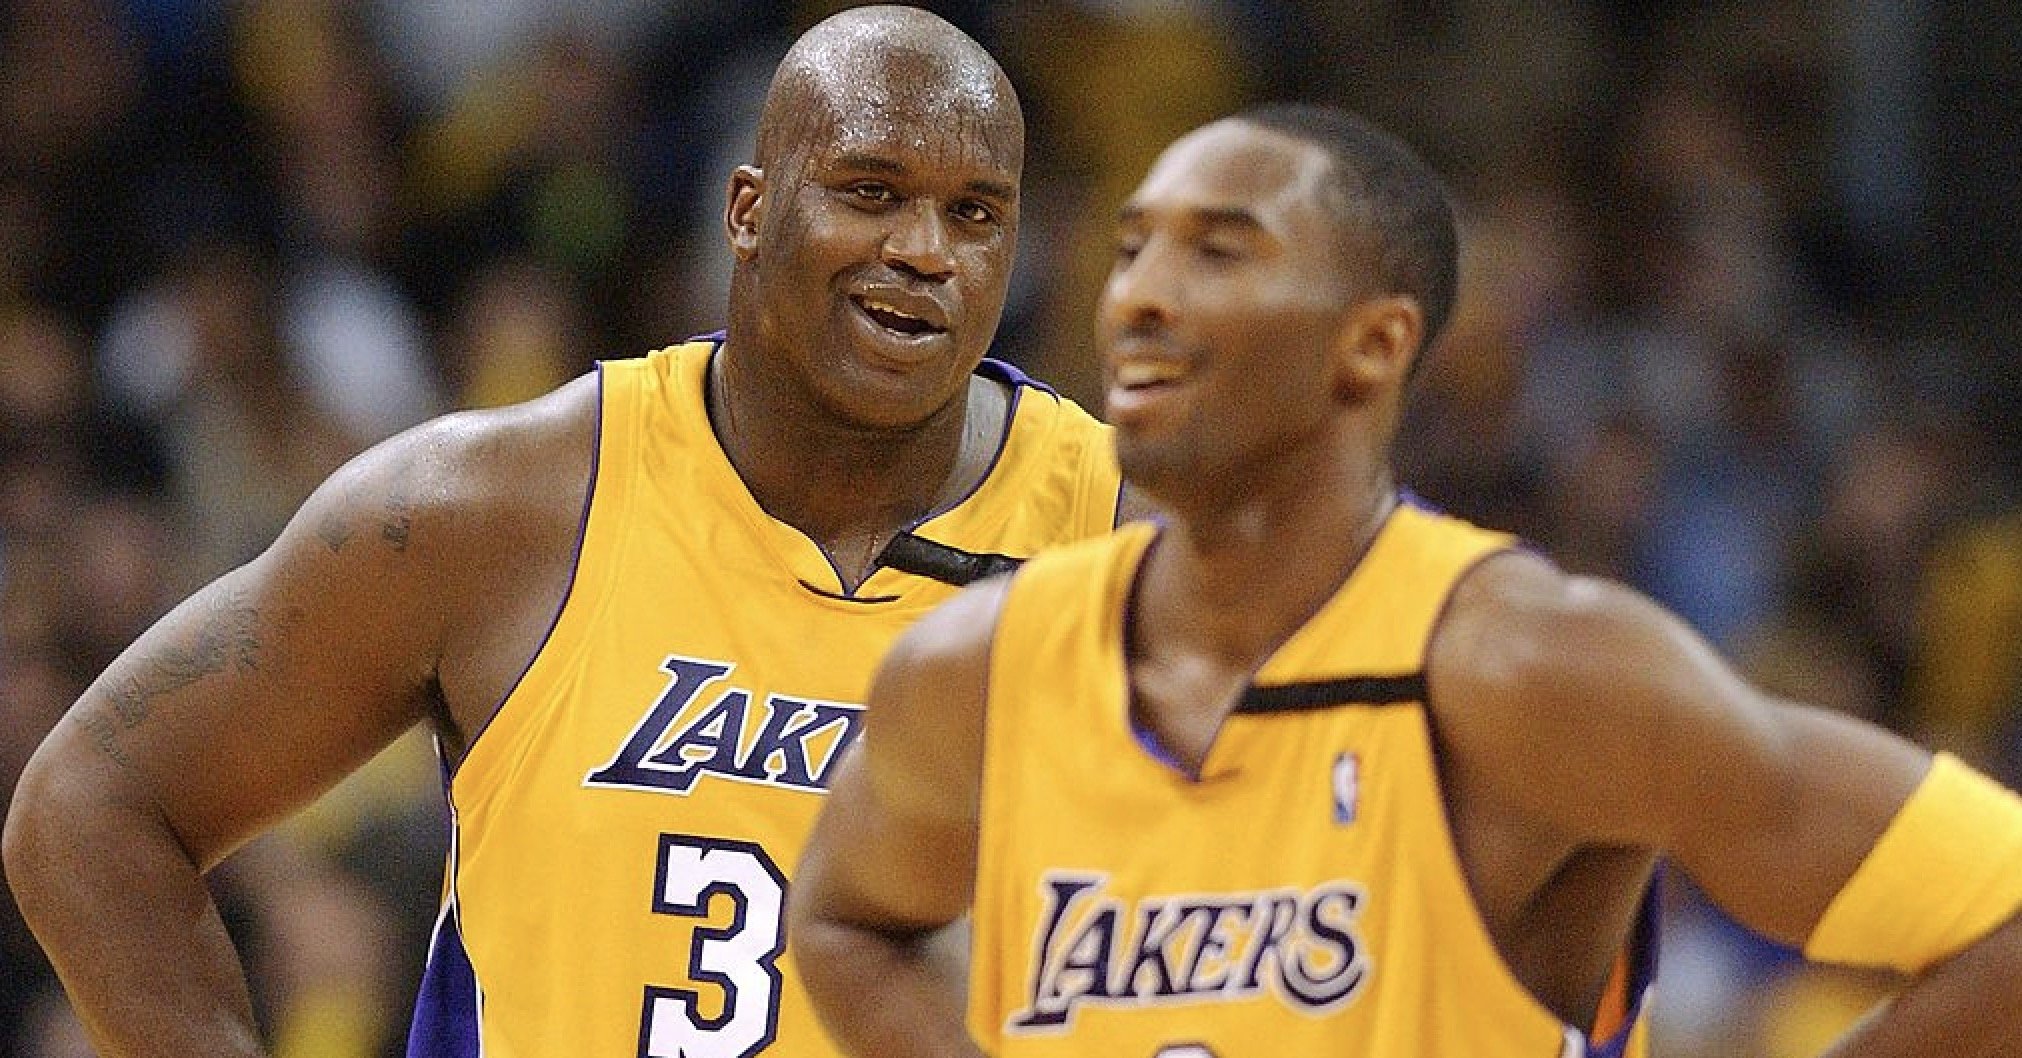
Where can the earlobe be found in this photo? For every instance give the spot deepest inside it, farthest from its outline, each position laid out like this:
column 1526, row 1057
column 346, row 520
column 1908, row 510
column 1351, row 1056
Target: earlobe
column 745, row 210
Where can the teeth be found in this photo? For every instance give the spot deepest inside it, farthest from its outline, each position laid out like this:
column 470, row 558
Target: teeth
column 880, row 306
column 1146, row 372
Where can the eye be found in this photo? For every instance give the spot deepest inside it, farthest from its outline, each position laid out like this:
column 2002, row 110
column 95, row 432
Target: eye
column 871, row 193
column 1221, row 251
column 1128, row 246
column 975, row 213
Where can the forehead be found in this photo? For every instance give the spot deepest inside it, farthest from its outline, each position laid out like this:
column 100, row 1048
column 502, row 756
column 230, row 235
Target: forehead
column 917, row 109
column 1232, row 166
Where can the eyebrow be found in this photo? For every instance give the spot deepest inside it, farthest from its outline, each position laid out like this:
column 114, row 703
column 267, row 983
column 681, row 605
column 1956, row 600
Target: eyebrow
column 877, row 163
column 1202, row 216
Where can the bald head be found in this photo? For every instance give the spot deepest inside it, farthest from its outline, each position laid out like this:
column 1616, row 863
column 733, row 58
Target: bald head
column 870, row 71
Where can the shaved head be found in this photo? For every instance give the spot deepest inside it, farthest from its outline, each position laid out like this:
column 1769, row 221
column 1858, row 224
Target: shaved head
column 869, row 71
column 875, row 230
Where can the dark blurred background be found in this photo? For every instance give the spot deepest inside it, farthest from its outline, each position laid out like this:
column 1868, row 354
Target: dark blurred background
column 1738, row 311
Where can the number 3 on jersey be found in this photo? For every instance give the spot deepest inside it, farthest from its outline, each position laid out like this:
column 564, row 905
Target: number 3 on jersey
column 741, row 957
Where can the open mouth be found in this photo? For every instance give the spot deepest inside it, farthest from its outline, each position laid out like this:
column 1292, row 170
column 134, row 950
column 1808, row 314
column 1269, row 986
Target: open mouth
column 1146, row 374
column 897, row 320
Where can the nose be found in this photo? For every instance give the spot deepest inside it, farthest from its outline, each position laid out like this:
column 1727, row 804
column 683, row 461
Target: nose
column 918, row 242
column 1139, row 293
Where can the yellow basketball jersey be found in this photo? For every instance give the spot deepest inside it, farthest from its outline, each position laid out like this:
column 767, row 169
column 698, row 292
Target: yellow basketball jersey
column 624, row 827
column 1301, row 896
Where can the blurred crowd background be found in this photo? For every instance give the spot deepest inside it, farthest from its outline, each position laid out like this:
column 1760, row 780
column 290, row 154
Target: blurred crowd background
column 1739, row 298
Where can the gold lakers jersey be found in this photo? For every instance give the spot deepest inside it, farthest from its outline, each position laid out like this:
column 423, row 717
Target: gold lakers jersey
column 623, row 829
column 1300, row 896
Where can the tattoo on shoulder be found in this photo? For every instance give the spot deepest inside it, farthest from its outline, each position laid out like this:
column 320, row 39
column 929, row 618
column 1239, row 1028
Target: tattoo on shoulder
column 335, row 528
column 335, row 531
column 226, row 637
column 399, row 523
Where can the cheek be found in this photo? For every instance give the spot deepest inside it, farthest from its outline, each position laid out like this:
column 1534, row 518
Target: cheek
column 1284, row 371
column 986, row 265
column 812, row 238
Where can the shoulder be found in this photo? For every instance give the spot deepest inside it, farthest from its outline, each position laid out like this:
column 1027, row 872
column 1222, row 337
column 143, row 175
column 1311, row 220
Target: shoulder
column 1555, row 694
column 475, row 481
column 1516, row 623
column 925, row 712
column 470, row 461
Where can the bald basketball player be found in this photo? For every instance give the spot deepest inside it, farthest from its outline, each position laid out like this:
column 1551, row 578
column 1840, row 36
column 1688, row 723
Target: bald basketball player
column 640, row 614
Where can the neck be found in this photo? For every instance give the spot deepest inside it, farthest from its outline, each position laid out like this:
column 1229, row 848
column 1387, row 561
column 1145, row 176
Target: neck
column 1252, row 570
column 848, row 487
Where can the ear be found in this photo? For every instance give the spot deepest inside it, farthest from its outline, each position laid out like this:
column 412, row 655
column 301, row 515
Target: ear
column 1377, row 344
column 745, row 210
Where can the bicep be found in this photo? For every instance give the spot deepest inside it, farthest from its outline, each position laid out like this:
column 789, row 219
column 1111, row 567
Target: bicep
column 263, row 688
column 1612, row 721
column 895, row 845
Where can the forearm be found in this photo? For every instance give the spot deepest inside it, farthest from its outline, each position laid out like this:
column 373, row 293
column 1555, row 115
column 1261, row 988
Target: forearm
column 1967, row 1007
column 132, row 930
column 887, row 996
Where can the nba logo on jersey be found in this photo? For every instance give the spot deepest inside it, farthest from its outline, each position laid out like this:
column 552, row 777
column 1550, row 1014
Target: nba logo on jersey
column 1347, row 787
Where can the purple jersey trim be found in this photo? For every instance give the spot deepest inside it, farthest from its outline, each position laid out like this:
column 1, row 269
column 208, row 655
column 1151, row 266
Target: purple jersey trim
column 445, row 1011
column 1643, row 943
column 1009, row 374
column 1154, row 747
column 996, row 371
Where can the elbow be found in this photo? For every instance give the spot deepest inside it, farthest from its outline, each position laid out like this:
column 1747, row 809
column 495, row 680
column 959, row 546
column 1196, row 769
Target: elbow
column 31, row 843
column 58, row 826
column 816, row 938
column 829, row 948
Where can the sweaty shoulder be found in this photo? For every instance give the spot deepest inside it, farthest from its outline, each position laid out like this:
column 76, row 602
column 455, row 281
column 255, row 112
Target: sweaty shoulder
column 926, row 706
column 475, row 474
column 473, row 517
column 1511, row 620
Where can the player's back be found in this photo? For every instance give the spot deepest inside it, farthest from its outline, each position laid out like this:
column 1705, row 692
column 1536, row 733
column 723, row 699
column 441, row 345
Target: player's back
column 624, row 827
column 1301, row 894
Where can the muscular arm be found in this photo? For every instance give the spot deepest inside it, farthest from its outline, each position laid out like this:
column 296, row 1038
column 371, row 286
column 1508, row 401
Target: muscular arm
column 1584, row 707
column 892, row 863
column 241, row 705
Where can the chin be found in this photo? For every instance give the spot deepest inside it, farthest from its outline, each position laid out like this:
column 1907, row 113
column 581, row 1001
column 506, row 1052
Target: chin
column 885, row 402
column 1154, row 468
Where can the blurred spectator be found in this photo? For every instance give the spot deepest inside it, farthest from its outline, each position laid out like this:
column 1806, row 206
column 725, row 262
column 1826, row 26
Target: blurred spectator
column 515, row 334
column 247, row 441
column 1966, row 664
column 69, row 84
column 351, row 334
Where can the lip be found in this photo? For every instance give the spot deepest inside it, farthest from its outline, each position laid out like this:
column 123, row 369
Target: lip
column 896, row 347
column 918, row 305
column 1157, row 390
column 1146, row 375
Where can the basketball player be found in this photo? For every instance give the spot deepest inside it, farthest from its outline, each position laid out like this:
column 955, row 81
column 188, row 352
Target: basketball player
column 641, row 612
column 1311, row 769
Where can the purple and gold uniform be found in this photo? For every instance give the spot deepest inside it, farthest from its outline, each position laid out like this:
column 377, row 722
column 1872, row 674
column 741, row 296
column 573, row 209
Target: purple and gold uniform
column 624, row 827
column 1301, row 895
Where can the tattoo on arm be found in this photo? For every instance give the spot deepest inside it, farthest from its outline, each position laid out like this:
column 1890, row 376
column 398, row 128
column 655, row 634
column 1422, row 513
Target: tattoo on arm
column 226, row 637
column 104, row 732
